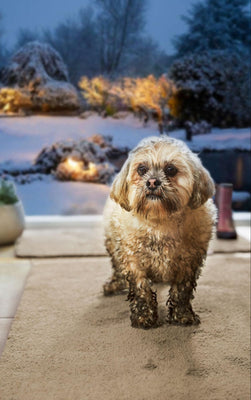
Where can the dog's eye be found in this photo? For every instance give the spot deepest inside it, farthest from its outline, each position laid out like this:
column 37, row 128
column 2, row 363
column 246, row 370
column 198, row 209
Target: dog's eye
column 142, row 170
column 170, row 170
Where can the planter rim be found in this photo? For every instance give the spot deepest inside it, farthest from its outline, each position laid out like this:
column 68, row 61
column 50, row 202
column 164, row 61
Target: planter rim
column 17, row 203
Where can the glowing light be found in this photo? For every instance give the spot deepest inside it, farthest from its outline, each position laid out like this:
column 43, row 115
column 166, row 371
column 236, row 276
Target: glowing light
column 75, row 170
column 74, row 164
column 92, row 168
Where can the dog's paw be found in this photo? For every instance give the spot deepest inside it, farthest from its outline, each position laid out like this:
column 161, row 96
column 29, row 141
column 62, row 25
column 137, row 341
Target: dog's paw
column 144, row 321
column 143, row 315
column 186, row 317
column 113, row 288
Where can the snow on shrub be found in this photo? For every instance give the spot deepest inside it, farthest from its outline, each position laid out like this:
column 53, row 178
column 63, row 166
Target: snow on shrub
column 213, row 86
column 34, row 63
column 36, row 78
column 215, row 25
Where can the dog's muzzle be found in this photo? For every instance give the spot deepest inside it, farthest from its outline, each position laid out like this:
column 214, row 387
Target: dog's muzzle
column 153, row 183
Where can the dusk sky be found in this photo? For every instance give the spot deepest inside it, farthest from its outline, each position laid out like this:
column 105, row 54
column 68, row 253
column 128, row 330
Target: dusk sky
column 163, row 17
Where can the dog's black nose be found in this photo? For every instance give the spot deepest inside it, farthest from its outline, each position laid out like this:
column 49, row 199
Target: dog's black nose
column 153, row 183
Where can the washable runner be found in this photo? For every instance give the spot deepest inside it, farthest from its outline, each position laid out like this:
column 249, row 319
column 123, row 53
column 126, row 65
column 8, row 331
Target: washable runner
column 61, row 243
column 88, row 241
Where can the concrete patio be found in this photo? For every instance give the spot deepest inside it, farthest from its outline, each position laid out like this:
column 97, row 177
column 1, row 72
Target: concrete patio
column 210, row 361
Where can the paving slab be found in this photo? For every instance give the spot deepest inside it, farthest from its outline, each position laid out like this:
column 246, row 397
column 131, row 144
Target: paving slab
column 5, row 324
column 13, row 275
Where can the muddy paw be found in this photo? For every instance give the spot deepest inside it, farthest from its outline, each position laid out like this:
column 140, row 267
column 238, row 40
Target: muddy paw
column 144, row 322
column 187, row 317
column 113, row 288
column 142, row 315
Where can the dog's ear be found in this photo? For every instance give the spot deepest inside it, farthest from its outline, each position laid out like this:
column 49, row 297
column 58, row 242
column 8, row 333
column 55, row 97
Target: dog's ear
column 203, row 187
column 119, row 191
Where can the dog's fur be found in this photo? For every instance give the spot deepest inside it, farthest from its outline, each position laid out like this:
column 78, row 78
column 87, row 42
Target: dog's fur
column 159, row 235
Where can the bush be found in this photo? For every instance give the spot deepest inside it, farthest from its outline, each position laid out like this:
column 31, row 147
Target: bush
column 95, row 91
column 13, row 99
column 213, row 86
column 148, row 96
column 36, row 79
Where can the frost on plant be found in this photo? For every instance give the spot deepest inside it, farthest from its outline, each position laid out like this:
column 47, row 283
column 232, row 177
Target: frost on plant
column 36, row 78
column 212, row 86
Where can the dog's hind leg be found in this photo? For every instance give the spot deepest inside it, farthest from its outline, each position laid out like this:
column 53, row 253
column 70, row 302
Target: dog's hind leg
column 117, row 284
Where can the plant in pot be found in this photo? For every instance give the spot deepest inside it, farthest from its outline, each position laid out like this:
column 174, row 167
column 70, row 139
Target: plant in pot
column 12, row 221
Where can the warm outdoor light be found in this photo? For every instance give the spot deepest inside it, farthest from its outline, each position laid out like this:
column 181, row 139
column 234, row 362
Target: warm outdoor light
column 73, row 164
column 71, row 169
column 92, row 169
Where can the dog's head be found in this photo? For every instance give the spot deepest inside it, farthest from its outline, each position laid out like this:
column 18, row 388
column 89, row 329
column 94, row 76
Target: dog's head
column 161, row 176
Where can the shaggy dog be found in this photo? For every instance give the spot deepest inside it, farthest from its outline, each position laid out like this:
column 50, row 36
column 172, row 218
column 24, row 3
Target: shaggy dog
column 158, row 223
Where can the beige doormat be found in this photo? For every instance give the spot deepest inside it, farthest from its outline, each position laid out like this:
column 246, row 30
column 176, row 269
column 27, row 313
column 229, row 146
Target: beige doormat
column 240, row 245
column 69, row 342
column 72, row 242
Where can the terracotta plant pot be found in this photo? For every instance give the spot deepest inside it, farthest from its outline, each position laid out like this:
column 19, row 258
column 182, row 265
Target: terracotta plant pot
column 12, row 222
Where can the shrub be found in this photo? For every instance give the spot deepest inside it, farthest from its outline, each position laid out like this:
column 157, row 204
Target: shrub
column 95, row 91
column 213, row 86
column 141, row 95
column 13, row 99
column 149, row 94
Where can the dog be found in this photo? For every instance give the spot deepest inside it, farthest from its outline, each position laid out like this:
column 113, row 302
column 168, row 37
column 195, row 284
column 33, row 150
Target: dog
column 158, row 222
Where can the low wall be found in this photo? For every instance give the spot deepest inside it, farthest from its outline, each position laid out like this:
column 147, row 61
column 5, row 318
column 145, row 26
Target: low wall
column 229, row 166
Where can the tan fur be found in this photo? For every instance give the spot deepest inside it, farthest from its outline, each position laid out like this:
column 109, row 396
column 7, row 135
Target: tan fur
column 163, row 240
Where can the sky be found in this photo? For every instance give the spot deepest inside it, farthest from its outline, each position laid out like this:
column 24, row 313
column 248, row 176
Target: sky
column 163, row 17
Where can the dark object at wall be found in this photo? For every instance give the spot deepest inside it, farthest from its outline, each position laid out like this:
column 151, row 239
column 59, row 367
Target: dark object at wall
column 223, row 200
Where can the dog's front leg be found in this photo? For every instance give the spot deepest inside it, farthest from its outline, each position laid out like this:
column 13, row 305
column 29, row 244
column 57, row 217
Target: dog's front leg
column 179, row 304
column 143, row 302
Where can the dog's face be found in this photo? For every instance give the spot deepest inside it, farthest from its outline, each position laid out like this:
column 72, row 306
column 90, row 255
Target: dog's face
column 160, row 177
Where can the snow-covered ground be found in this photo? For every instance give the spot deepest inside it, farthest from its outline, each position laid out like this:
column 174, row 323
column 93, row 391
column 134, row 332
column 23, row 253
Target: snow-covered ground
column 51, row 197
column 21, row 139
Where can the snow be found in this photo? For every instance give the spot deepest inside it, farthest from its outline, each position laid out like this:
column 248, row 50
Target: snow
column 51, row 197
column 223, row 139
column 21, row 139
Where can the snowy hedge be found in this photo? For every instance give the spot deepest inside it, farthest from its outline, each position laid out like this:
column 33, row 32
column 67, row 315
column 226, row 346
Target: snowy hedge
column 213, row 86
